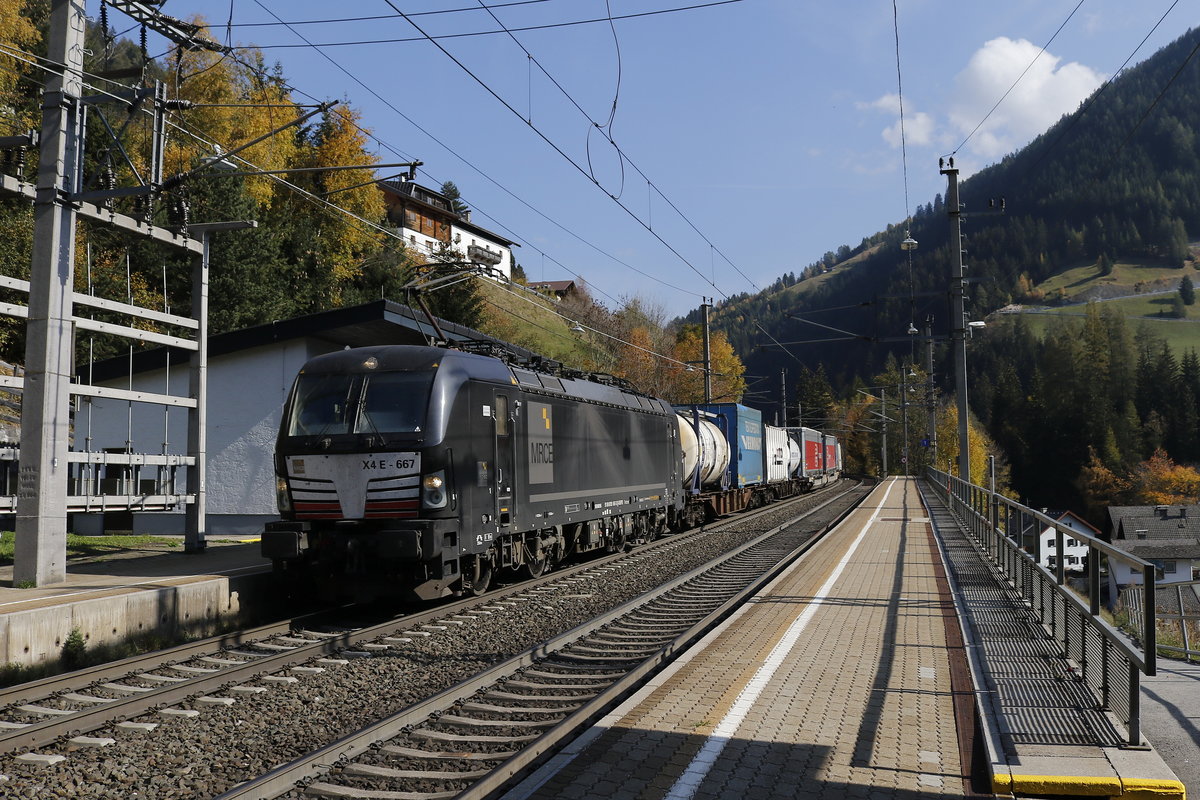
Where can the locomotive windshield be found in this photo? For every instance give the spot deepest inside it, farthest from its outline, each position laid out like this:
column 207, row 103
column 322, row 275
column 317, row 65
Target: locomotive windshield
column 376, row 403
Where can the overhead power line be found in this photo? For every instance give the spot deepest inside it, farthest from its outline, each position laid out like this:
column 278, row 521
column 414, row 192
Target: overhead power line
column 554, row 146
column 467, row 35
column 1018, row 80
column 475, row 167
column 1096, row 95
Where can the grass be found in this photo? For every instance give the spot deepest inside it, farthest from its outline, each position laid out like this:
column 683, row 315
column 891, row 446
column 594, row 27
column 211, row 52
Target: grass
column 534, row 323
column 1124, row 273
column 93, row 546
column 1142, row 306
column 1180, row 334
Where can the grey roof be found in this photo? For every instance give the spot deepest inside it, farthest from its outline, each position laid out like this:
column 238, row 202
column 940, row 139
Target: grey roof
column 1177, row 523
column 378, row 322
column 1151, row 551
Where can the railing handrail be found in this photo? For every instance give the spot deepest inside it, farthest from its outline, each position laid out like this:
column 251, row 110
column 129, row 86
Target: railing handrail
column 985, row 509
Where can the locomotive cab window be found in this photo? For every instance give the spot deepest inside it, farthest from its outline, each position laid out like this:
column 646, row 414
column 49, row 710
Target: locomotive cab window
column 387, row 402
column 394, row 402
column 501, row 415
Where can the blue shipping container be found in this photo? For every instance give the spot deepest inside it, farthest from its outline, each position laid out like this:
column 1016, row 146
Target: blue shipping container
column 743, row 429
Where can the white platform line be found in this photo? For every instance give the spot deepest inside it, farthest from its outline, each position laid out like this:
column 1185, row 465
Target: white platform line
column 688, row 782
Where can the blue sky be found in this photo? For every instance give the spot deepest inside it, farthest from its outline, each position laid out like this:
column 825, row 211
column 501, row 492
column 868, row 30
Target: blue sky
column 772, row 125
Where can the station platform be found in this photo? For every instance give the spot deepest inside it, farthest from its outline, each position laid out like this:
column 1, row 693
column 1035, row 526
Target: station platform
column 847, row 676
column 112, row 599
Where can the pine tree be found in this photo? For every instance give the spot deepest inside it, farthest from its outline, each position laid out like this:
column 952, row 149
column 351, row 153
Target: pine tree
column 1187, row 290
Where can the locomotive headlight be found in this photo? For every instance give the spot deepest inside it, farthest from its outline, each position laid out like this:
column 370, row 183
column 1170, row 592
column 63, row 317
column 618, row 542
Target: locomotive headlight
column 282, row 500
column 433, row 490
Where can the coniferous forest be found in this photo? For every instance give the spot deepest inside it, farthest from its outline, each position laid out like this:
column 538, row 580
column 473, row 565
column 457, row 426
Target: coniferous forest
column 1077, row 414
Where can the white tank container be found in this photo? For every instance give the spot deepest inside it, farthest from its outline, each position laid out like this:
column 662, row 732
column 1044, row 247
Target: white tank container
column 795, row 457
column 704, row 449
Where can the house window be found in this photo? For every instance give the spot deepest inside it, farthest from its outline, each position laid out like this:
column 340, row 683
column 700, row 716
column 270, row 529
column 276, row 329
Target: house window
column 425, row 224
column 1072, row 543
column 1050, row 543
column 1169, row 567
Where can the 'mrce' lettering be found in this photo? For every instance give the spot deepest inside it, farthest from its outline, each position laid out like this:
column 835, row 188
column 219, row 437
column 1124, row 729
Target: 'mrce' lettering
column 541, row 453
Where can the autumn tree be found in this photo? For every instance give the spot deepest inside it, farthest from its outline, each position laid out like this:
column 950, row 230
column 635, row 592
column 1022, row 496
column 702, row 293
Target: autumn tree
column 728, row 372
column 1100, row 487
column 1160, row 481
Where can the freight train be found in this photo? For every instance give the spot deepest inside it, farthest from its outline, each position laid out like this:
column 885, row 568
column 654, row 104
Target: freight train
column 421, row 472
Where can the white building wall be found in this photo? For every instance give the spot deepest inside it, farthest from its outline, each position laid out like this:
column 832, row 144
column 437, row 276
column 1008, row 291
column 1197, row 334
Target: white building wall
column 460, row 240
column 246, row 392
column 1073, row 553
column 1125, row 575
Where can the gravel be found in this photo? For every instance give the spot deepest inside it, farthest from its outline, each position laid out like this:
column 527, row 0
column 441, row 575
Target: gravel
column 203, row 756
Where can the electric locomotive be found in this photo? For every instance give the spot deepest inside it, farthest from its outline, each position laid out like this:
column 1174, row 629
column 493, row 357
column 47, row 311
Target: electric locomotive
column 422, row 471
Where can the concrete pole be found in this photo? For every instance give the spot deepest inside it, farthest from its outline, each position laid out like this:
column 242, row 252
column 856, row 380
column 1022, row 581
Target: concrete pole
column 40, row 553
column 783, row 394
column 904, row 418
column 196, row 515
column 707, row 355
column 883, row 447
column 958, row 321
column 930, row 401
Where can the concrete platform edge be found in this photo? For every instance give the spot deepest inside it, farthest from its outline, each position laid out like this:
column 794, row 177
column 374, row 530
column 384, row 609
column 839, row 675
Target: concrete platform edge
column 35, row 635
column 1007, row 782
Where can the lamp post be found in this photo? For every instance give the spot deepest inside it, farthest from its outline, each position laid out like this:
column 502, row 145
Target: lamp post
column 958, row 319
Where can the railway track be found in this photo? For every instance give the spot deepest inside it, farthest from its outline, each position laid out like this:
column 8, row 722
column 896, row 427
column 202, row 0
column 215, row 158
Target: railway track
column 474, row 739
column 135, row 695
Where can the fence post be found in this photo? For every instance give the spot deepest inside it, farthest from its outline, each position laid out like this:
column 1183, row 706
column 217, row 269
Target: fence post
column 1135, row 709
column 1150, row 632
column 1105, row 679
column 1183, row 628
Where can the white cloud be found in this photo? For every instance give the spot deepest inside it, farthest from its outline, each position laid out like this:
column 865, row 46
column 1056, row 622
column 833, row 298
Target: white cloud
column 1048, row 90
column 918, row 126
column 918, row 130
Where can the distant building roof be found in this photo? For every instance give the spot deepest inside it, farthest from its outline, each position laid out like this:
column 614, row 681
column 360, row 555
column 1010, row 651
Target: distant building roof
column 1157, row 551
column 1178, row 523
column 558, row 287
column 378, row 322
column 1075, row 521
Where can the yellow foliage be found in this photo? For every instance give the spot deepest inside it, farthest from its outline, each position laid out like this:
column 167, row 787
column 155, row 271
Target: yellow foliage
column 980, row 444
column 20, row 33
column 728, row 383
column 1160, row 481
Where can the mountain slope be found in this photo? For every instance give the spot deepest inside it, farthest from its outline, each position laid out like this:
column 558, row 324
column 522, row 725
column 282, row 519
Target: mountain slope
column 1118, row 178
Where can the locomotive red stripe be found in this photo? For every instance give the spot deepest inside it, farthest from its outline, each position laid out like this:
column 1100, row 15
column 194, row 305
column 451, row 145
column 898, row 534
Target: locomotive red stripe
column 378, row 505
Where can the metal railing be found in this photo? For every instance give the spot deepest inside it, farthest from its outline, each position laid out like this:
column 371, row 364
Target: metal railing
column 1178, row 626
column 1106, row 659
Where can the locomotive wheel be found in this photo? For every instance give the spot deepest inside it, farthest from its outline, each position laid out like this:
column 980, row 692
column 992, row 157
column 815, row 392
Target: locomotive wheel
column 535, row 567
column 481, row 577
